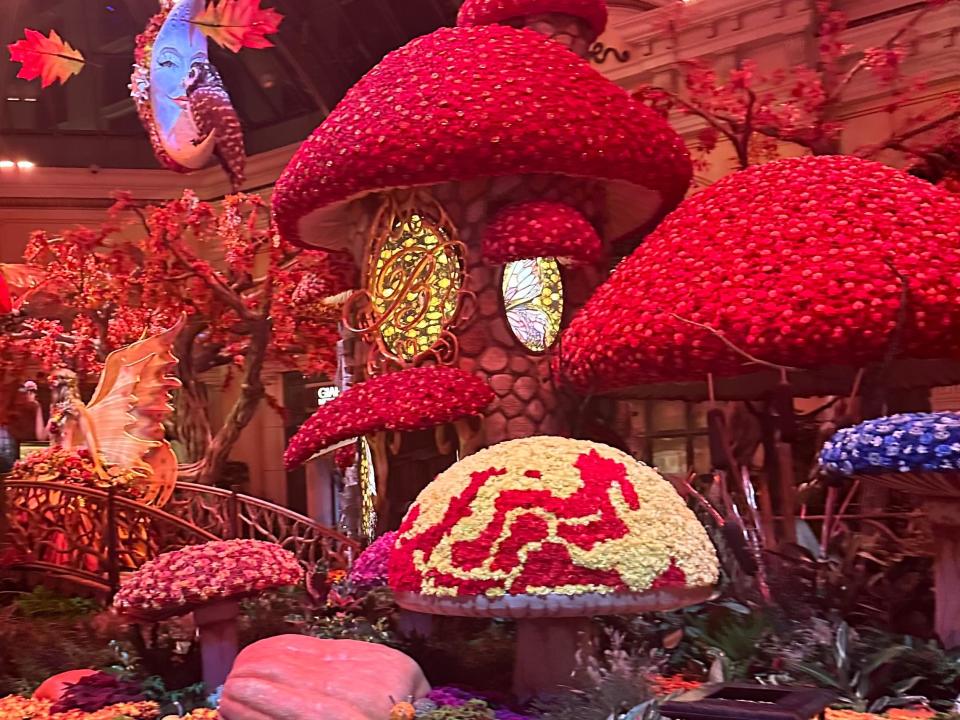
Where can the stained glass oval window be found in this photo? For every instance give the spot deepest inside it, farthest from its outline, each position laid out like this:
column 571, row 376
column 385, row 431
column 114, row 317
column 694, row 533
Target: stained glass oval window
column 533, row 301
column 415, row 287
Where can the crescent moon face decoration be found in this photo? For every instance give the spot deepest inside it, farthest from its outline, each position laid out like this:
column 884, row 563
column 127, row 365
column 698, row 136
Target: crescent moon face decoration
column 164, row 54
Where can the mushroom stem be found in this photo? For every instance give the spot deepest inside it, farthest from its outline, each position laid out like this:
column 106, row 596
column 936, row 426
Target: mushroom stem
column 217, row 625
column 547, row 650
column 944, row 515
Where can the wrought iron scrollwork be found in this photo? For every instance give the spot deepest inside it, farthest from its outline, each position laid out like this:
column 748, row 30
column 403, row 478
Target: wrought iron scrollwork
column 600, row 53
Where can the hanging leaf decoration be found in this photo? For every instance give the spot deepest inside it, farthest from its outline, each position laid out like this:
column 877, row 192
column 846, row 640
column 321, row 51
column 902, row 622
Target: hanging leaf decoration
column 49, row 58
column 236, row 24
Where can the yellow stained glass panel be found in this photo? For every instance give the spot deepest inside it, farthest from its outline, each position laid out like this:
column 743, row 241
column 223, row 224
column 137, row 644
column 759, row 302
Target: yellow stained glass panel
column 415, row 286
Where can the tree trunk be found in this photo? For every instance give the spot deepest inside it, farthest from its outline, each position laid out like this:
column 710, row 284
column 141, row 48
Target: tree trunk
column 252, row 392
column 528, row 401
column 191, row 419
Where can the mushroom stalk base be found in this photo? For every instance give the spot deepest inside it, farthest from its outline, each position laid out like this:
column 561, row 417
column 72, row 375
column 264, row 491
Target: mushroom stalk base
column 217, row 625
column 944, row 514
column 547, row 651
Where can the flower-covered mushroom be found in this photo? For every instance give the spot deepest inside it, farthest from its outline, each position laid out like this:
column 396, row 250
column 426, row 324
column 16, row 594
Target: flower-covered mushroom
column 208, row 580
column 550, row 531
column 404, row 401
column 576, row 23
column 529, row 230
column 801, row 262
column 919, row 454
column 421, row 156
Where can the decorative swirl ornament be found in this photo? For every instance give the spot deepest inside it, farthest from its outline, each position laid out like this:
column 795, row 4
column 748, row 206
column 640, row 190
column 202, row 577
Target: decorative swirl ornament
column 413, row 285
column 164, row 54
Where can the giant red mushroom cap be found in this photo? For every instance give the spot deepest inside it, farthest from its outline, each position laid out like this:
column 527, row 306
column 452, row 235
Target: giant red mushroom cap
column 489, row 12
column 182, row 581
column 798, row 262
column 414, row 399
column 479, row 102
column 548, row 526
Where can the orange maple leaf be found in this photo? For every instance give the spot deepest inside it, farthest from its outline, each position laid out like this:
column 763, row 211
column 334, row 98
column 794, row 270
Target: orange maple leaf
column 236, row 24
column 48, row 58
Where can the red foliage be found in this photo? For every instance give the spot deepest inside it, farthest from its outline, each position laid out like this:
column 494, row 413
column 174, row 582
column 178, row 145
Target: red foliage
column 223, row 267
column 800, row 105
column 49, row 58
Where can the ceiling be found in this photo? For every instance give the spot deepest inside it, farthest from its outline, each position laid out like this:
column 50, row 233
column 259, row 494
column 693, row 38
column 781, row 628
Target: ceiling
column 281, row 93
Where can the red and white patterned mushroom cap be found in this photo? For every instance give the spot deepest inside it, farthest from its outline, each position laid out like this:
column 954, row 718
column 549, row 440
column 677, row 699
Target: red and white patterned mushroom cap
column 798, row 262
column 490, row 12
column 474, row 102
column 549, row 526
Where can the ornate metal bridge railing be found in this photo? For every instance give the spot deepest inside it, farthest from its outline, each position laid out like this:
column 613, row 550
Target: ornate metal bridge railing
column 229, row 514
column 94, row 536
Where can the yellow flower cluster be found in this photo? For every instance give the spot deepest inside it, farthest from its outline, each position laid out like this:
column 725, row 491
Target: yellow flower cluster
column 15, row 707
column 550, row 515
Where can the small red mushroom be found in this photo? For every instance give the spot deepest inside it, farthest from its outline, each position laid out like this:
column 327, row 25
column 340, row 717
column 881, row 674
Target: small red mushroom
column 575, row 23
column 541, row 228
column 405, row 401
column 208, row 580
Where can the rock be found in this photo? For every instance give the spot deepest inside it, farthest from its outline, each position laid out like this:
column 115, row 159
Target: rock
column 295, row 677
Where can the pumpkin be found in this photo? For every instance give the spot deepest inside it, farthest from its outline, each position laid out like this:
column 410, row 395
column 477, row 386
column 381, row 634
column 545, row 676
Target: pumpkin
column 403, row 711
column 295, row 677
column 53, row 687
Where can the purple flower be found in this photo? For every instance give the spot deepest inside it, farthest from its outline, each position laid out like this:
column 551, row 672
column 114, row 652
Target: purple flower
column 370, row 569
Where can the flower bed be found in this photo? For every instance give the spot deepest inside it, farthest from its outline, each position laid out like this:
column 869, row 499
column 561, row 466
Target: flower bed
column 15, row 707
column 75, row 467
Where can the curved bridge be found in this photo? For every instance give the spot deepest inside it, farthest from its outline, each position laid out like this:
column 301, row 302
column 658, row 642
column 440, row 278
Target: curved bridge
column 92, row 536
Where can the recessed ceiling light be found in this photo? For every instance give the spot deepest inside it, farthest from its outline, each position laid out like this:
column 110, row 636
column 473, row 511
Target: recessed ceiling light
column 25, row 165
column 7, row 164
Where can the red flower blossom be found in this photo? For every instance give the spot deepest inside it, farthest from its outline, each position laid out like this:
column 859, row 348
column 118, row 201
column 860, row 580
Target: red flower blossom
column 797, row 262
column 409, row 400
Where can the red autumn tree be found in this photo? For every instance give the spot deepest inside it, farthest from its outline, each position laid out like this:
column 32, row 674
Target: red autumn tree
column 756, row 112
column 249, row 298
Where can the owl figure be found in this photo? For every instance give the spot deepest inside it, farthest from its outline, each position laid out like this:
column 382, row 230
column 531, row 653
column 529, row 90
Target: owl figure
column 213, row 112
